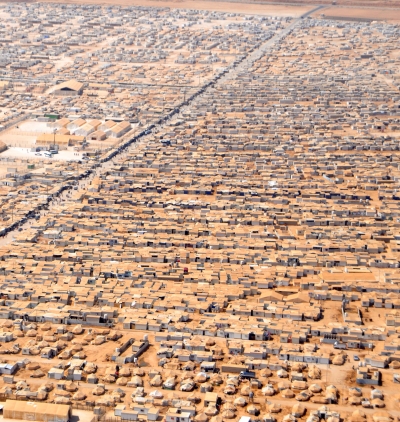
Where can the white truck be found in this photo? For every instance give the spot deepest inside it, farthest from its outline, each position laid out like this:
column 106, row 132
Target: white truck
column 338, row 345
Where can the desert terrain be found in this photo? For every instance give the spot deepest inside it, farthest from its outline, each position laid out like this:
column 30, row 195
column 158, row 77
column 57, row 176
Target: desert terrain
column 199, row 212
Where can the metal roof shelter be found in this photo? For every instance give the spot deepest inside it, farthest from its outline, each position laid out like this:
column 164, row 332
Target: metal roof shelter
column 32, row 411
column 71, row 87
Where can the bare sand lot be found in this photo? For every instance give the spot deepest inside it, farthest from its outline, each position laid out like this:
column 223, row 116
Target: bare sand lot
column 293, row 8
column 387, row 14
column 221, row 6
column 358, row 3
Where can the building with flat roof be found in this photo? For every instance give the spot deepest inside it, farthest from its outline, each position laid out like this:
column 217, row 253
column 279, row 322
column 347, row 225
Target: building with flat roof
column 32, row 411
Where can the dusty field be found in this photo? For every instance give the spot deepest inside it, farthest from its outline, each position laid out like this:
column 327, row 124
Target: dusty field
column 293, row 8
column 361, row 3
column 24, row 134
column 390, row 15
column 276, row 8
column 221, row 6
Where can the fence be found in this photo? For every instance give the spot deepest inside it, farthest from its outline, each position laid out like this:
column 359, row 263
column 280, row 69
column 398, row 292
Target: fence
column 17, row 131
column 89, row 407
column 15, row 121
column 115, row 419
column 108, row 419
column 13, row 396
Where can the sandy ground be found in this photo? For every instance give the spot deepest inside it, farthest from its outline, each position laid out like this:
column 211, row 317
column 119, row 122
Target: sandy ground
column 341, row 376
column 24, row 134
column 390, row 15
column 293, row 8
column 34, row 126
column 222, row 6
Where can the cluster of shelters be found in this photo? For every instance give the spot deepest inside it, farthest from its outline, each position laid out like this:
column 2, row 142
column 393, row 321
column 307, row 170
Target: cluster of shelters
column 91, row 128
column 34, row 184
column 124, row 54
column 228, row 260
column 79, row 131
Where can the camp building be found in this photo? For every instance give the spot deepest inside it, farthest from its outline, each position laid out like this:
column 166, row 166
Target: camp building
column 31, row 411
column 67, row 88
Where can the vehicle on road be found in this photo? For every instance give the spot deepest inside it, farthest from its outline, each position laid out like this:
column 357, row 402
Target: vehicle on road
column 247, row 375
column 338, row 345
